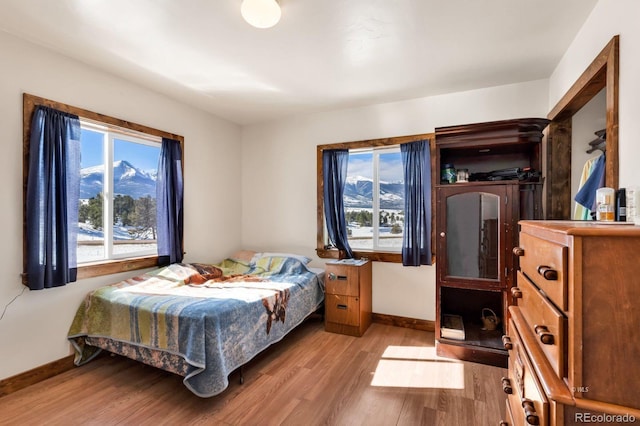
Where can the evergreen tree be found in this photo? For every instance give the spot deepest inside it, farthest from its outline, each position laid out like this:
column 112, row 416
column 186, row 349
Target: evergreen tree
column 83, row 213
column 364, row 218
column 123, row 210
column 94, row 211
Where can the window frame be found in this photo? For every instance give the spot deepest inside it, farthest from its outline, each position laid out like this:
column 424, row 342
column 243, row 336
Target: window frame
column 102, row 267
column 375, row 201
column 321, row 236
column 111, row 134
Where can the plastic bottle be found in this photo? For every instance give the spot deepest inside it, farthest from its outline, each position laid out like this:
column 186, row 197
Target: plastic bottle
column 621, row 205
column 605, row 204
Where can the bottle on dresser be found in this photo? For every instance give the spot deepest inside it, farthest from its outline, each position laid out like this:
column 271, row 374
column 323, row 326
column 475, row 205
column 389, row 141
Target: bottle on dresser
column 633, row 204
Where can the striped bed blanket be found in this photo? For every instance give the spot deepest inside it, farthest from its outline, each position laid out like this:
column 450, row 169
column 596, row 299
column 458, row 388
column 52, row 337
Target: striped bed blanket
column 200, row 321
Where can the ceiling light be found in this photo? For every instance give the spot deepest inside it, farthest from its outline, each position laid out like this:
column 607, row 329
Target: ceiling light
column 261, row 13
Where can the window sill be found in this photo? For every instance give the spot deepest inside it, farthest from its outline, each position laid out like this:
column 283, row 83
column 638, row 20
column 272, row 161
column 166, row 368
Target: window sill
column 97, row 269
column 374, row 256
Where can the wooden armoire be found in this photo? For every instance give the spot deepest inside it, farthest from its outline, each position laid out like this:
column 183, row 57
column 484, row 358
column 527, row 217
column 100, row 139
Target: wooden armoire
column 476, row 230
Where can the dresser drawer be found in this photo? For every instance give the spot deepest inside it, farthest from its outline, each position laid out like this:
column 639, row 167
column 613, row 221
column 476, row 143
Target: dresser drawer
column 545, row 263
column 341, row 279
column 508, row 414
column 342, row 309
column 527, row 400
column 545, row 322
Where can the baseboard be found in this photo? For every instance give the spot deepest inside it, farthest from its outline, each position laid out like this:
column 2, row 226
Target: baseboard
column 414, row 323
column 38, row 374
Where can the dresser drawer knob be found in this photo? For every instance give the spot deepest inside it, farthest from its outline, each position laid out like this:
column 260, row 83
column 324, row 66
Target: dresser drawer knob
column 506, row 342
column 516, row 293
column 506, row 386
column 518, row 251
column 543, row 333
column 548, row 273
column 530, row 412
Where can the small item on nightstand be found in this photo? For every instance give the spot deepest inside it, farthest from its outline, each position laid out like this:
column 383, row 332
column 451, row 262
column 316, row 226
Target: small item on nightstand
column 490, row 320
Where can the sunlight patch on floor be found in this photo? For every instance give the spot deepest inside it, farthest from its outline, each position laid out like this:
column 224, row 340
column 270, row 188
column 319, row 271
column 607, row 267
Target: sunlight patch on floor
column 417, row 367
column 413, row 352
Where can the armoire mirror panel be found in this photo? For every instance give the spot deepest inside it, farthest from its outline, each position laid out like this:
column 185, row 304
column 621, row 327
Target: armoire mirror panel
column 472, row 235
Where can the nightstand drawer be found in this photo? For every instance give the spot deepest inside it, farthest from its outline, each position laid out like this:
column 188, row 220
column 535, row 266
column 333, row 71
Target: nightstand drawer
column 341, row 279
column 342, row 309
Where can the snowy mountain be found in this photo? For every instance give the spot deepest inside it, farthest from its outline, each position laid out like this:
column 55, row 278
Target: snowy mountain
column 358, row 193
column 128, row 180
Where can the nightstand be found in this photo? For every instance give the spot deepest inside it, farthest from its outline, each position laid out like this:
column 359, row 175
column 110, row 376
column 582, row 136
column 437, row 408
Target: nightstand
column 348, row 296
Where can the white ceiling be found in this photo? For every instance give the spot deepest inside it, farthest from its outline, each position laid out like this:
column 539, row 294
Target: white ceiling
column 322, row 55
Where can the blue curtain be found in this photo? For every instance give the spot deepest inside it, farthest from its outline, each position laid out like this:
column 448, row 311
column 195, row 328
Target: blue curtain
column 170, row 202
column 334, row 170
column 53, row 192
column 416, row 242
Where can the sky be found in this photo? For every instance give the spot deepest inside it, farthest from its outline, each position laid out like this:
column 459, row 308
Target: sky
column 390, row 166
column 144, row 157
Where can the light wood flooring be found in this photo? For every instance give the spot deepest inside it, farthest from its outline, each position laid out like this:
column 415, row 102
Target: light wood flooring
column 312, row 377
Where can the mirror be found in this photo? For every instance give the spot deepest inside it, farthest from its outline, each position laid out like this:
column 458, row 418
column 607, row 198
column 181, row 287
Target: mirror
column 473, row 235
column 601, row 75
column 588, row 124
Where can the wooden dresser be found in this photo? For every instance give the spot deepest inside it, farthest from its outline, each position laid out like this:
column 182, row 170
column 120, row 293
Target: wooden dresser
column 348, row 297
column 573, row 335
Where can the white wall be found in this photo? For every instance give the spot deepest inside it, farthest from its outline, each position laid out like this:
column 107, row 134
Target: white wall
column 34, row 327
column 279, row 175
column 608, row 18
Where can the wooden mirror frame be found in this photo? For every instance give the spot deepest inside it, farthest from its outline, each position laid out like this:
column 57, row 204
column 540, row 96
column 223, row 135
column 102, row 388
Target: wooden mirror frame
column 602, row 73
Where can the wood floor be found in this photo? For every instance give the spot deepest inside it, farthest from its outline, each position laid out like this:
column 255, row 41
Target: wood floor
column 312, row 377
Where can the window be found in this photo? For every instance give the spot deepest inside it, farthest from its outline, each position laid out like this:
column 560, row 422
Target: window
column 122, row 195
column 374, row 199
column 374, row 189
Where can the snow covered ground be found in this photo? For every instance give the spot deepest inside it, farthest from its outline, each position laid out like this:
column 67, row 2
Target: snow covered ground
column 362, row 238
column 90, row 247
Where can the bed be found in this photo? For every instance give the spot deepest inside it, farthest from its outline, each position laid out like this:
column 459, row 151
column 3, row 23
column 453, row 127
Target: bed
column 200, row 321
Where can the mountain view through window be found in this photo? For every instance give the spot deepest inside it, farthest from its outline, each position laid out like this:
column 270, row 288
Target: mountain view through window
column 122, row 196
column 374, row 199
